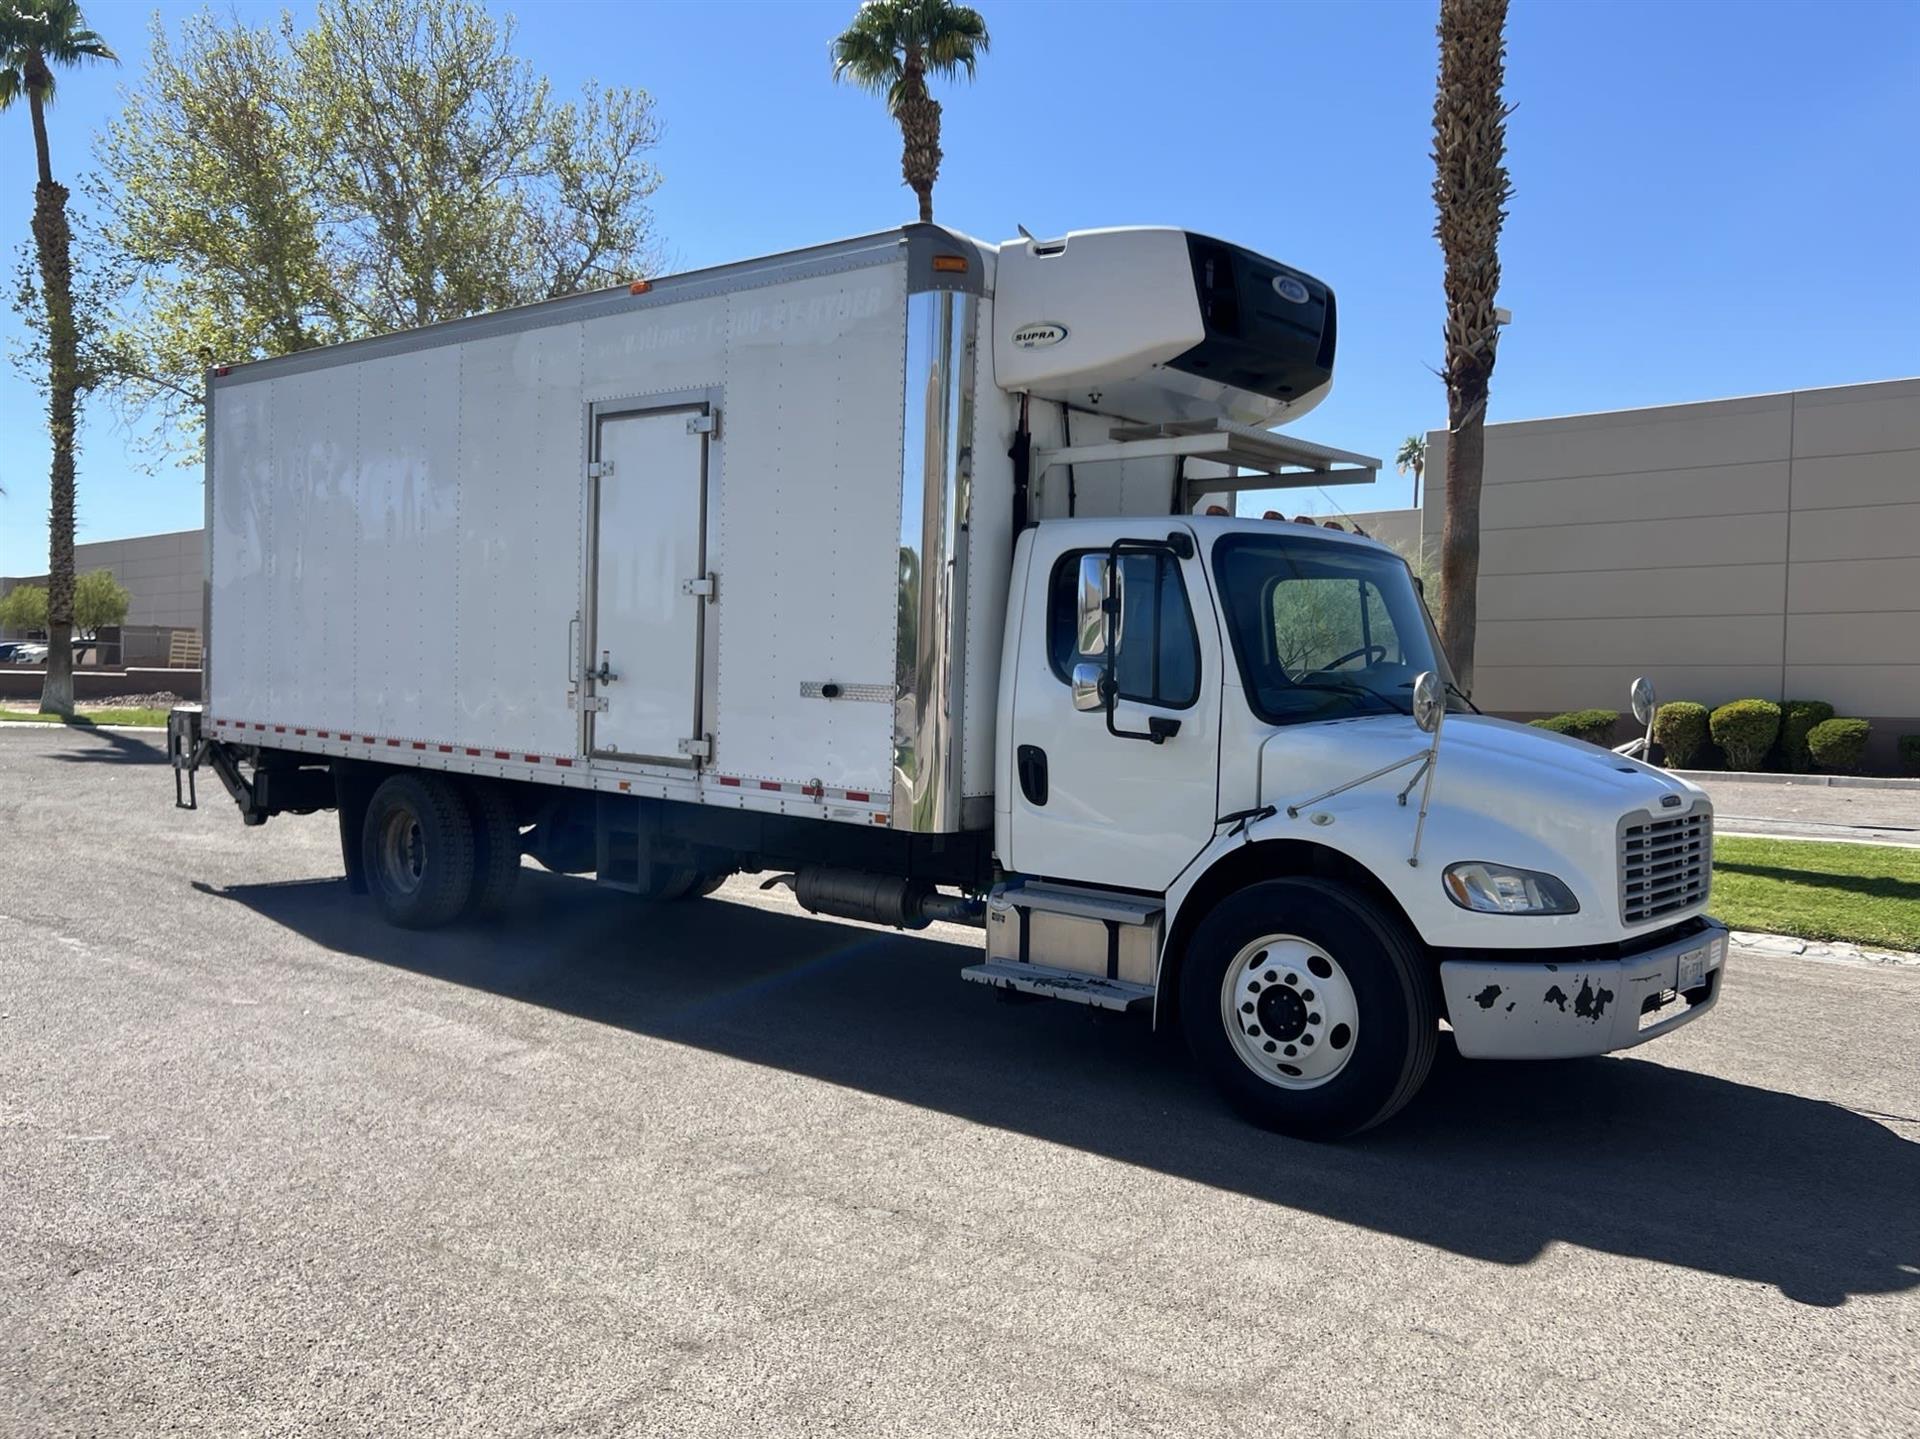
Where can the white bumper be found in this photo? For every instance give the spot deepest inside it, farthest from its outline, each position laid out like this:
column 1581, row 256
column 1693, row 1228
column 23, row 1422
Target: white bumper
column 1533, row 1009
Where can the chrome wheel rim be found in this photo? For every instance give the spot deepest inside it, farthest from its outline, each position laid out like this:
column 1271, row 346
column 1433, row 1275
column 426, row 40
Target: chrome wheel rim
column 403, row 852
column 1289, row 1011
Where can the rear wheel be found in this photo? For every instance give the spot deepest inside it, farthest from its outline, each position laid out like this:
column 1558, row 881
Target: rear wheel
column 496, row 847
column 418, row 847
column 1309, row 1007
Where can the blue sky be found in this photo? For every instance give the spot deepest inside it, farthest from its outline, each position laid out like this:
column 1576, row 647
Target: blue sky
column 1711, row 198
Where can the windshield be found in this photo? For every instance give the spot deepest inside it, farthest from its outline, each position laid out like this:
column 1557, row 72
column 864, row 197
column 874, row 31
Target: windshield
column 1323, row 630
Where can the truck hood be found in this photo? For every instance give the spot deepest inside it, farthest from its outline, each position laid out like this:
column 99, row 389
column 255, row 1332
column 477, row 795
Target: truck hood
column 1502, row 792
column 1493, row 760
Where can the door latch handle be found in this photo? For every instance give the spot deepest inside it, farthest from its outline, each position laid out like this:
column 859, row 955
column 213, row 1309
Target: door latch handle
column 603, row 675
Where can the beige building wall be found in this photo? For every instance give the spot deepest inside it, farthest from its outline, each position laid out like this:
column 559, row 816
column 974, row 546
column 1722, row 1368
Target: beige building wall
column 1763, row 546
column 164, row 575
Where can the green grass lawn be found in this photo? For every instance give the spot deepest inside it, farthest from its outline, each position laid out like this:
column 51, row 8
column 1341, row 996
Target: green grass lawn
column 1861, row 893
column 154, row 718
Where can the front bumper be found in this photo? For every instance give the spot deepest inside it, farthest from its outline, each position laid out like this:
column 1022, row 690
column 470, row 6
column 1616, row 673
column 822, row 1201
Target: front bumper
column 1533, row 1009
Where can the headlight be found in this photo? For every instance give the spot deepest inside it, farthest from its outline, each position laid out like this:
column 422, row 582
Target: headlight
column 1501, row 889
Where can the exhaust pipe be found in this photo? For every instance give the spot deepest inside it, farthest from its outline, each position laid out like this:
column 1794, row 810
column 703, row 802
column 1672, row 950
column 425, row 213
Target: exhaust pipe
column 878, row 898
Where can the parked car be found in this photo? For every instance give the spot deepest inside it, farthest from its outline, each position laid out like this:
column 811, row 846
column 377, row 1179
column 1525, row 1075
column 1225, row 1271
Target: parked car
column 7, row 647
column 28, row 653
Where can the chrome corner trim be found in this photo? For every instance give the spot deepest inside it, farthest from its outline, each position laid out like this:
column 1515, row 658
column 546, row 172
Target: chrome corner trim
column 206, row 548
column 936, row 475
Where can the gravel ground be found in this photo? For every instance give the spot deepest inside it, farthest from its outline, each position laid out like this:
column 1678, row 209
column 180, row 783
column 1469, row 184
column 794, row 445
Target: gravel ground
column 268, row 1167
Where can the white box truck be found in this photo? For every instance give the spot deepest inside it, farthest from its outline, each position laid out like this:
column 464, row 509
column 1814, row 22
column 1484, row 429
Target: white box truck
column 907, row 565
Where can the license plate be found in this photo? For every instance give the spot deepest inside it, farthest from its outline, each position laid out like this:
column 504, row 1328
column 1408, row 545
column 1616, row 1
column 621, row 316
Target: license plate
column 1693, row 969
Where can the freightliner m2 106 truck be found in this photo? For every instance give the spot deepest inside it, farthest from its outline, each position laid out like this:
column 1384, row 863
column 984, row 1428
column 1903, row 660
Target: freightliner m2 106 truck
column 906, row 568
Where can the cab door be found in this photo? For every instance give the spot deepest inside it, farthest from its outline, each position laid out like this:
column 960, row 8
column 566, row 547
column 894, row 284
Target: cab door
column 1129, row 799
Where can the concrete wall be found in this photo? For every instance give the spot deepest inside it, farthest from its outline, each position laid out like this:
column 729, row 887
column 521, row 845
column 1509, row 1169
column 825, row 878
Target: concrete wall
column 21, row 687
column 1764, row 546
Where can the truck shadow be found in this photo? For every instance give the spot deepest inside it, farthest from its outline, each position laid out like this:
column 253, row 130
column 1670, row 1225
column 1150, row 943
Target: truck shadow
column 1496, row 1162
column 113, row 746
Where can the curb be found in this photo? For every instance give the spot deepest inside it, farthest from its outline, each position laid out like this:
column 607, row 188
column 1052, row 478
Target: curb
column 1825, row 781
column 83, row 728
column 1785, row 946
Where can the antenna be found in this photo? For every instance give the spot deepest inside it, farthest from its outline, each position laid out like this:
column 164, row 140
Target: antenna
column 1025, row 233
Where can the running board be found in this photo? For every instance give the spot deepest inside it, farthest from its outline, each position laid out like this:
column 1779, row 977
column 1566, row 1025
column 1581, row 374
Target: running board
column 1059, row 984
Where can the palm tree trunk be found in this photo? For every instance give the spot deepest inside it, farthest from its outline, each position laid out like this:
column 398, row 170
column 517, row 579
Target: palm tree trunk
column 919, row 116
column 1460, row 536
column 1470, row 191
column 53, row 243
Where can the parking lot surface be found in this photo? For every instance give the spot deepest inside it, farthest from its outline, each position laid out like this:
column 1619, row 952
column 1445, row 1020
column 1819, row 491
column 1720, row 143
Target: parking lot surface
column 268, row 1167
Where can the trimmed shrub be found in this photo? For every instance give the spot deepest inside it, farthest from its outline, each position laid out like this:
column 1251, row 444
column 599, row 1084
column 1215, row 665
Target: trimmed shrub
column 1910, row 751
column 1593, row 726
column 1680, row 729
column 1837, row 744
column 1797, row 719
column 1745, row 730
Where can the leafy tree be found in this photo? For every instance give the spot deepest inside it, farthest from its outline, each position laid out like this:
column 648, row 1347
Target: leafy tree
column 1412, row 459
column 1470, row 192
column 890, row 49
column 267, row 189
column 24, row 607
column 36, row 38
column 99, row 602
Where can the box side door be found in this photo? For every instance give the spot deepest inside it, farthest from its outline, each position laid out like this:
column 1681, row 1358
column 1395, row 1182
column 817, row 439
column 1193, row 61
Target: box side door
column 648, row 585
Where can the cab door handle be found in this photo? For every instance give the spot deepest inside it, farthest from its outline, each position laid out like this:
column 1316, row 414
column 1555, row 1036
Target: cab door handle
column 1031, row 762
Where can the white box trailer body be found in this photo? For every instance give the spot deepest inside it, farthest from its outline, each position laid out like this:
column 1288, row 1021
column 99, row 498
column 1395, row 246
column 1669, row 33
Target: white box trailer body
column 423, row 543
column 874, row 561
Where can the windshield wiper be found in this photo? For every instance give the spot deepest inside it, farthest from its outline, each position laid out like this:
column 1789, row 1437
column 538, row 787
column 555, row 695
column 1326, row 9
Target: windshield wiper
column 1454, row 690
column 1334, row 682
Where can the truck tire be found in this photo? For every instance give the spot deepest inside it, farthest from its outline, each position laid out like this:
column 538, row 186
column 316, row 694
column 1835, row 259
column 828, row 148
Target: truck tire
column 496, row 847
column 418, row 849
column 1309, row 1007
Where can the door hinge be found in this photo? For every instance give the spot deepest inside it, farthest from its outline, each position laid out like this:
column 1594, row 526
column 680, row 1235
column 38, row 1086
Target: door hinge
column 599, row 469
column 707, row 587
column 707, row 424
column 593, row 705
column 701, row 748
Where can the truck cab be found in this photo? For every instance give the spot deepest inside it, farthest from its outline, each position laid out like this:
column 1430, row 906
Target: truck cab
column 1222, row 716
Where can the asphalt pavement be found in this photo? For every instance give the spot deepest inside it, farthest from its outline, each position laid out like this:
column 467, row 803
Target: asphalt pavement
column 269, row 1167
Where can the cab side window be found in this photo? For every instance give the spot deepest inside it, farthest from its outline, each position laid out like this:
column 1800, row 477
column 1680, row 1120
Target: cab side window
column 1157, row 659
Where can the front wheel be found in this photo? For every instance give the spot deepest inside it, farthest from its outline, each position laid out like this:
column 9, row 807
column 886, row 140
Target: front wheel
column 1309, row 1007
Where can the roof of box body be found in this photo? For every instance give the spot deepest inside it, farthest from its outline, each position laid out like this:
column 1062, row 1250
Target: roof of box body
column 918, row 242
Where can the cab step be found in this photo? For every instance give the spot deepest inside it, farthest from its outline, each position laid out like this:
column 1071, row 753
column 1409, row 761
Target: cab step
column 1064, row 984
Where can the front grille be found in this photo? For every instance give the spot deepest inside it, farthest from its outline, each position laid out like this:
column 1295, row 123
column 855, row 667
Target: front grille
column 1666, row 864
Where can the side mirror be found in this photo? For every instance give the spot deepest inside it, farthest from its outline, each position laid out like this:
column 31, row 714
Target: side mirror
column 1429, row 701
column 1092, row 639
column 1644, row 701
column 1087, row 679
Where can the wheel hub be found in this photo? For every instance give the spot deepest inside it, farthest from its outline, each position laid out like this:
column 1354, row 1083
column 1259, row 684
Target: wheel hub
column 1283, row 1014
column 1289, row 1011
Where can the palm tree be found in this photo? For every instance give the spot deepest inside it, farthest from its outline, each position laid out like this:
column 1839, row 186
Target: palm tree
column 36, row 36
column 1412, row 459
column 890, row 48
column 1470, row 192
